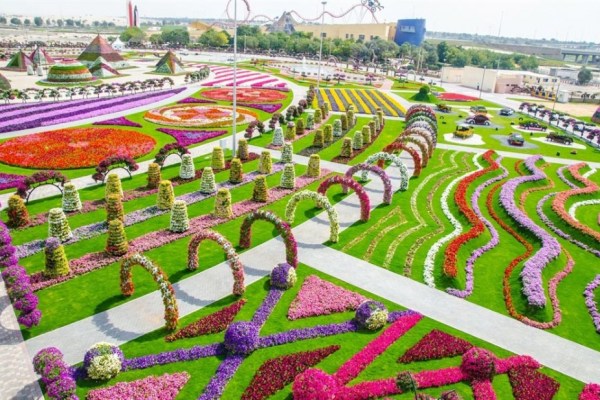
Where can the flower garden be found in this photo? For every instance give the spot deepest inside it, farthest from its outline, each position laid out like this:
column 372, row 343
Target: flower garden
column 171, row 243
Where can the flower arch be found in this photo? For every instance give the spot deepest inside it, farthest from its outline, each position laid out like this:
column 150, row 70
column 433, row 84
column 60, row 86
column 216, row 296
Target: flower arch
column 395, row 160
column 232, row 257
column 425, row 134
column 365, row 204
column 413, row 153
column 419, row 110
column 422, row 147
column 166, row 290
column 321, row 201
column 423, row 124
column 365, row 168
column 291, row 248
column 169, row 149
column 123, row 162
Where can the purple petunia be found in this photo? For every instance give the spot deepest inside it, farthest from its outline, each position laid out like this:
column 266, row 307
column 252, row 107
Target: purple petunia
column 186, row 138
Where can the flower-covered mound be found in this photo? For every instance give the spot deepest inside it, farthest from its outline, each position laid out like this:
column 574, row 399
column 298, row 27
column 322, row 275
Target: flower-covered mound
column 198, row 116
column 73, row 148
column 246, row 95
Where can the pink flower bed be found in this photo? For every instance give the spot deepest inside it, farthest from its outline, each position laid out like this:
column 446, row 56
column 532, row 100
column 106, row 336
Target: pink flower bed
column 590, row 392
column 164, row 387
column 319, row 297
column 436, row 345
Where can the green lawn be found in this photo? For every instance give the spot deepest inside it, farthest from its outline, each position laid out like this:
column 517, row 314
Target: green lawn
column 409, row 95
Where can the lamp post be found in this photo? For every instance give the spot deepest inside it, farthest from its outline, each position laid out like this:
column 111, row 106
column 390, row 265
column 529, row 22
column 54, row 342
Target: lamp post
column 321, row 45
column 234, row 107
column 482, row 78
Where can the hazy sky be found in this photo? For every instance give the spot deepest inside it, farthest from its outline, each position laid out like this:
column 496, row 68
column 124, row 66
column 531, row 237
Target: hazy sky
column 560, row 19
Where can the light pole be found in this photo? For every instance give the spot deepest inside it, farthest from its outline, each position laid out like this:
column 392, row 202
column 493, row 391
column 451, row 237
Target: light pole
column 321, row 45
column 234, row 108
column 482, row 78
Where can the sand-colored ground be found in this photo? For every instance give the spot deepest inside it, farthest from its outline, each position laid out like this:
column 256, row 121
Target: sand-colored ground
column 576, row 109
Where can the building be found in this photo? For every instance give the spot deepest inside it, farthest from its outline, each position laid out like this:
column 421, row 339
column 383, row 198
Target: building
column 410, row 31
column 133, row 18
column 286, row 23
column 363, row 32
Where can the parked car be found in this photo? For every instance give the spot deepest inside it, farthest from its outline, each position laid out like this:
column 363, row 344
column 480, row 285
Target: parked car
column 533, row 126
column 516, row 139
column 479, row 119
column 507, row 112
column 444, row 108
column 478, row 109
column 463, row 131
column 558, row 138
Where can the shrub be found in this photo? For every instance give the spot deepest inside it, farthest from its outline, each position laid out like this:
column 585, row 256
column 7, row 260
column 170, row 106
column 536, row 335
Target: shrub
column 346, row 148
column 405, row 381
column 58, row 226
column 179, row 217
column 300, row 127
column 351, row 118
column 337, row 128
column 70, row 200
column 290, row 132
column 116, row 242
column 261, row 190
column 310, row 121
column 326, row 107
column 277, row 137
column 223, row 204
column 328, row 133
column 357, row 140
column 57, row 263
column 376, row 123
column 283, row 276
column 207, row 183
column 265, row 165
column 103, row 361
column 18, row 216
column 371, row 315
column 287, row 153
column 218, row 158
column 366, row 134
column 187, row 170
column 236, row 172
column 242, row 337
column 55, row 373
column 318, row 139
column 114, row 208
column 113, row 186
column 344, row 122
column 373, row 128
column 288, row 178
column 318, row 116
column 380, row 117
column 478, row 364
column 165, row 197
column 154, row 177
column 314, row 166
column 242, row 150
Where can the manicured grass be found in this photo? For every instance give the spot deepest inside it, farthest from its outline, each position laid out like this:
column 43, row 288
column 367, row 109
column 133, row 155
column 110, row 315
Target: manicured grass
column 408, row 95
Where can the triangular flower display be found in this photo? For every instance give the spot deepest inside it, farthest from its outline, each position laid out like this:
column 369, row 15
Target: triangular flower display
column 319, row 297
column 434, row 346
column 528, row 383
column 164, row 387
column 212, row 323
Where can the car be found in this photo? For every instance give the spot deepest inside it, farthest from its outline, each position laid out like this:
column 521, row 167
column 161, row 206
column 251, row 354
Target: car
column 463, row 131
column 444, row 108
column 507, row 112
column 478, row 109
column 533, row 126
column 478, row 119
column 516, row 139
column 557, row 138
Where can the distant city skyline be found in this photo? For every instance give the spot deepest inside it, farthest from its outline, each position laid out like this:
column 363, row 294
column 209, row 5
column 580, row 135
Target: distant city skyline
column 575, row 20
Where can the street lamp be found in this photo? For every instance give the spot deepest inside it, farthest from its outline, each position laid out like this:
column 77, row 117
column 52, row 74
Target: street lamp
column 234, row 107
column 482, row 78
column 321, row 45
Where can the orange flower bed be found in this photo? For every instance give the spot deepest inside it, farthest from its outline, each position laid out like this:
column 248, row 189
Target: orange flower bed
column 198, row 116
column 73, row 148
column 246, row 95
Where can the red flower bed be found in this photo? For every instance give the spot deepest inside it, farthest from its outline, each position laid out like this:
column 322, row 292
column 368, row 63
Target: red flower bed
column 73, row 148
column 246, row 95
column 456, row 97
column 434, row 346
column 460, row 198
column 527, row 383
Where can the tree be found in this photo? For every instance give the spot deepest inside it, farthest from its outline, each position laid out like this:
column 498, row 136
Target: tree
column 3, row 20
column 133, row 34
column 60, row 22
column 15, row 21
column 584, row 76
column 176, row 36
column 442, row 51
column 27, row 22
column 156, row 39
column 212, row 38
column 38, row 21
column 70, row 22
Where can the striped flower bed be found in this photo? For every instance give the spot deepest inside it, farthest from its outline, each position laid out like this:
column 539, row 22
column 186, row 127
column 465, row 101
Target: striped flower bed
column 365, row 101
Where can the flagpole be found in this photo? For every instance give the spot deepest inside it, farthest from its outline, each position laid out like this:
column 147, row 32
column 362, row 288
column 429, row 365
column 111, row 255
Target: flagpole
column 233, row 130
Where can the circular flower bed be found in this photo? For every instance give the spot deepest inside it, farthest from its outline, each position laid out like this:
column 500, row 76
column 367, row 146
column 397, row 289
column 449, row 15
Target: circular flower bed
column 198, row 116
column 103, row 361
column 245, row 95
column 478, row 364
column 69, row 73
column 283, row 276
column 371, row 315
column 241, row 337
column 73, row 148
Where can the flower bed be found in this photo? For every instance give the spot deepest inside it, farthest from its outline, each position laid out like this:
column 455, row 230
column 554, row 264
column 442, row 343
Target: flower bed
column 8, row 181
column 73, row 148
column 194, row 100
column 164, row 387
column 187, row 138
column 268, row 108
column 245, row 95
column 198, row 116
column 119, row 121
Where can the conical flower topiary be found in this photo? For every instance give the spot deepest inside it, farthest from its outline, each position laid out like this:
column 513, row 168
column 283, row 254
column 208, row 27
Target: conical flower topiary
column 166, row 196
column 351, row 118
column 366, row 134
column 344, row 122
column 242, row 150
column 236, row 172
column 261, row 190
column 326, row 108
column 179, row 217
column 207, row 183
column 223, row 207
column 218, row 158
column 300, row 127
column 58, row 226
column 380, row 117
column 70, row 200
column 310, row 121
column 265, row 164
column 116, row 242
column 288, row 178
column 18, row 216
column 113, row 185
column 318, row 139
column 314, row 166
column 287, row 153
column 277, row 137
column 327, row 134
column 114, row 208
column 154, row 177
column 346, row 148
column 376, row 121
column 337, row 128
column 290, row 133
column 57, row 263
column 373, row 127
column 187, row 170
column 357, row 140
column 318, row 116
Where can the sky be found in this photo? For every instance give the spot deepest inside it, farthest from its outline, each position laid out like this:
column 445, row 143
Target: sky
column 559, row 19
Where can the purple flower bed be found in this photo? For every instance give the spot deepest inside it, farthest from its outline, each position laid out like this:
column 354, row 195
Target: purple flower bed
column 265, row 309
column 469, row 285
column 8, row 181
column 531, row 274
column 120, row 121
column 193, row 100
column 224, row 373
column 186, row 138
column 590, row 301
column 168, row 357
column 87, row 109
column 269, row 108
